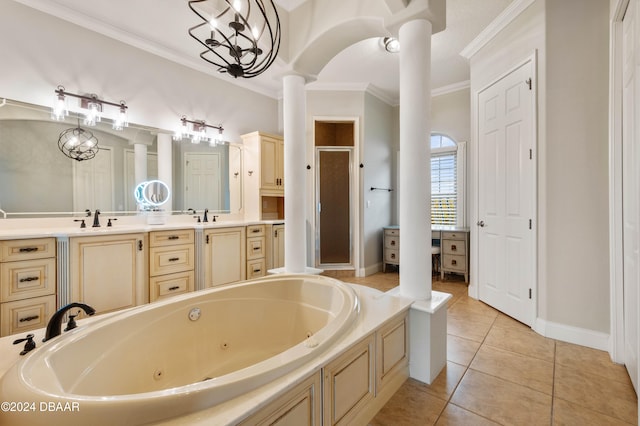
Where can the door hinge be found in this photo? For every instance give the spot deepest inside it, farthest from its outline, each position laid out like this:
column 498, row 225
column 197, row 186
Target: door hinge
column 275, row 233
column 529, row 293
column 207, row 240
column 139, row 245
column 529, row 81
column 530, row 154
column 530, row 224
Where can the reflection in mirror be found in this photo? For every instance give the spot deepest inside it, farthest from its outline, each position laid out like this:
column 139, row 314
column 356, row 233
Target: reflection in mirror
column 37, row 179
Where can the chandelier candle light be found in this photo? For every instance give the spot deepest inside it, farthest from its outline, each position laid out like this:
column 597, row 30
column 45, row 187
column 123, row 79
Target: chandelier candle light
column 241, row 37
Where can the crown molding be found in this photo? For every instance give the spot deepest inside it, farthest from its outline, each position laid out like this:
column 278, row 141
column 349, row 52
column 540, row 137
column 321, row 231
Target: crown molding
column 455, row 87
column 505, row 18
column 354, row 87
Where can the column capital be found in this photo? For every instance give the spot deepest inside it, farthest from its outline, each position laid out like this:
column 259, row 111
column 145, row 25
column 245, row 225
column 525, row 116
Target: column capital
column 433, row 11
column 307, row 78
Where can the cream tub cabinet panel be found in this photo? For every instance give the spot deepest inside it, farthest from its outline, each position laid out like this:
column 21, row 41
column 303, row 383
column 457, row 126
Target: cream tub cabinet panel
column 349, row 383
column 225, row 255
column 301, row 406
column 109, row 272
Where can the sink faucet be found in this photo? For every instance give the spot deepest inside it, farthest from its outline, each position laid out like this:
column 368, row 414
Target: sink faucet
column 96, row 219
column 55, row 323
column 205, row 218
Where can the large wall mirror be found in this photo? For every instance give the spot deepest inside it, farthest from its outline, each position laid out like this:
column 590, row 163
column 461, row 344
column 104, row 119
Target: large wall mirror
column 36, row 178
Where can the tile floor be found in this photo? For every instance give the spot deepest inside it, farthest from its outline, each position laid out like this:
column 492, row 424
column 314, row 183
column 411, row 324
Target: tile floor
column 501, row 372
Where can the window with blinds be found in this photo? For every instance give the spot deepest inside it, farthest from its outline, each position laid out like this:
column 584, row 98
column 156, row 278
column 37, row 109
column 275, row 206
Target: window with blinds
column 444, row 193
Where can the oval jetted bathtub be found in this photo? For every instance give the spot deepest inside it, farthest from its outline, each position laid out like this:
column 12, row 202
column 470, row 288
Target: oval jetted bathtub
column 182, row 355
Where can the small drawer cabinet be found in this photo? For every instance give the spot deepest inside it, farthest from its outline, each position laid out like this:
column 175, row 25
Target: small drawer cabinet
column 256, row 251
column 455, row 253
column 171, row 263
column 391, row 247
column 27, row 284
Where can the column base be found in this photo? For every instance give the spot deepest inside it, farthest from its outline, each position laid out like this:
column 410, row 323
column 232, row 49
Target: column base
column 428, row 337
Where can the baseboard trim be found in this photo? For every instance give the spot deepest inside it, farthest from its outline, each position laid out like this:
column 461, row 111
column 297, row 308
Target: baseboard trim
column 576, row 335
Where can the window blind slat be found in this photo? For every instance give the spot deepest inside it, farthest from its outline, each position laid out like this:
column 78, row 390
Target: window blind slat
column 444, row 189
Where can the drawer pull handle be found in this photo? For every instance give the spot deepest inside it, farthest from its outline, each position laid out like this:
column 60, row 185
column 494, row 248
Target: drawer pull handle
column 174, row 259
column 175, row 287
column 28, row 279
column 454, row 262
column 255, row 231
column 393, row 255
column 453, row 247
column 393, row 242
column 27, row 319
column 255, row 271
column 256, row 248
column 28, row 249
column 173, row 237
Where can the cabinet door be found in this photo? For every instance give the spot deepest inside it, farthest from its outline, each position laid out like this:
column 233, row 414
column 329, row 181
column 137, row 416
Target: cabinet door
column 225, row 256
column 108, row 272
column 278, row 246
column 269, row 163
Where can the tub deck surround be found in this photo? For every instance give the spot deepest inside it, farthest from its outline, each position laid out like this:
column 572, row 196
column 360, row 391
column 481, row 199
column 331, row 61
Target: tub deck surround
column 83, row 360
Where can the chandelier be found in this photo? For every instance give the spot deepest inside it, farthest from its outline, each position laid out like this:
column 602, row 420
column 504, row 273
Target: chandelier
column 78, row 143
column 240, row 37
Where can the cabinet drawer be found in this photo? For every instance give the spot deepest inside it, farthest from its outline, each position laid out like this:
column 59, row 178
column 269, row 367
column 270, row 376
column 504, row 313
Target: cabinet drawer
column 392, row 232
column 170, row 259
column 29, row 278
column 255, row 248
column 452, row 262
column 255, row 231
column 256, row 268
column 448, row 235
column 26, row 315
column 34, row 248
column 454, row 247
column 171, row 238
column 170, row 285
column 392, row 256
column 392, row 242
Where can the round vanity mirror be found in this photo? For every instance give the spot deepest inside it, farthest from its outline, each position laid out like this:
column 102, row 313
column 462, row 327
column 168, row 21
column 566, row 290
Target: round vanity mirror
column 156, row 193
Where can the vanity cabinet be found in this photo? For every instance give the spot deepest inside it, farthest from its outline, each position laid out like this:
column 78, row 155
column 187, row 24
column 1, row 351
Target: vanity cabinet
column 455, row 253
column 109, row 272
column 27, row 284
column 264, row 182
column 391, row 247
column 225, row 255
column 256, row 251
column 300, row 406
column 171, row 263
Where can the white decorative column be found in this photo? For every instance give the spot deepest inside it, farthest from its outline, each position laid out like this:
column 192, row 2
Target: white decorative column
column 294, row 116
column 140, row 163
column 415, row 160
column 164, row 165
column 428, row 314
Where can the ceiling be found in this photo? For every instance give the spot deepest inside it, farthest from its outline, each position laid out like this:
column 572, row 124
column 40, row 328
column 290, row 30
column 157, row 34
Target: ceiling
column 160, row 27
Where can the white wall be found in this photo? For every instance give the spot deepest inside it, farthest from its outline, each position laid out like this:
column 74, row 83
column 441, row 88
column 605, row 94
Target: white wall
column 570, row 39
column 379, row 156
column 39, row 52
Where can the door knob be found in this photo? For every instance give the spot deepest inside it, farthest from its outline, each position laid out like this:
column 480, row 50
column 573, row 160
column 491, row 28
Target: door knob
column 481, row 223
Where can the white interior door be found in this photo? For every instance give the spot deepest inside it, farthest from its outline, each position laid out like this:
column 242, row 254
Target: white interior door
column 203, row 187
column 630, row 195
column 93, row 182
column 506, row 194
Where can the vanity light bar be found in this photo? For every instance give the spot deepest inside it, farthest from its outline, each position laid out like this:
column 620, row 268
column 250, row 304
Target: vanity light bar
column 198, row 132
column 92, row 104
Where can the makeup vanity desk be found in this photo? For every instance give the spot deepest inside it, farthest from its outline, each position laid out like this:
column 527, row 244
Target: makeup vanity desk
column 453, row 242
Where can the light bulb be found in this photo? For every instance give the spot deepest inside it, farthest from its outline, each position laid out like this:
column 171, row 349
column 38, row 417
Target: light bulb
column 121, row 120
column 59, row 111
column 213, row 23
column 237, row 5
column 256, row 32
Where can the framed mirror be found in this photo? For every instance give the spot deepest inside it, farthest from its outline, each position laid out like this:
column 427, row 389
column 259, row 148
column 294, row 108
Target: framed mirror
column 37, row 179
